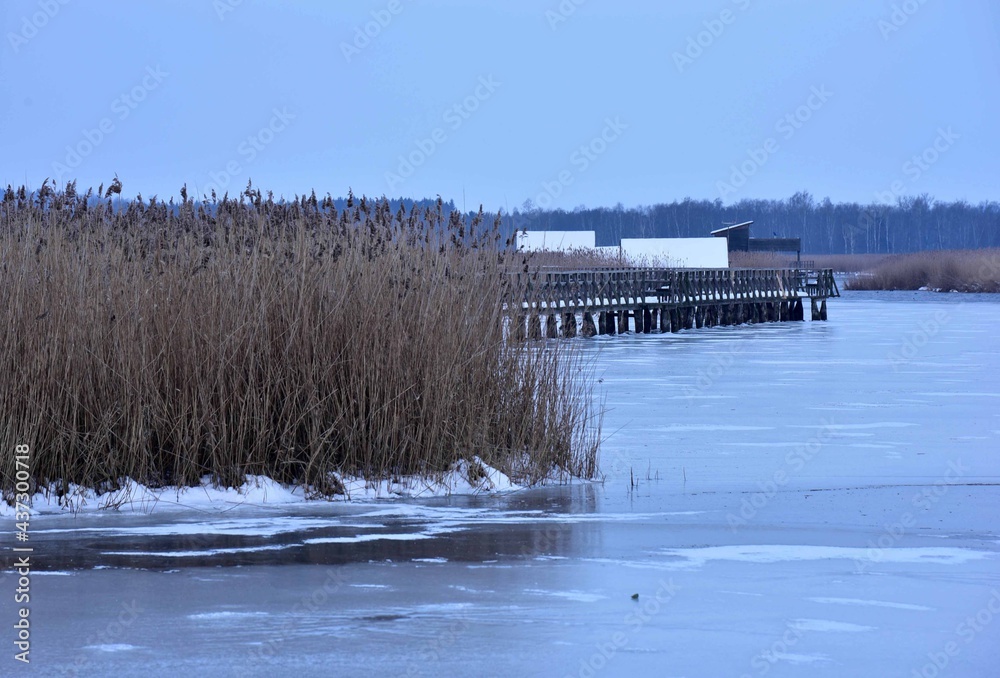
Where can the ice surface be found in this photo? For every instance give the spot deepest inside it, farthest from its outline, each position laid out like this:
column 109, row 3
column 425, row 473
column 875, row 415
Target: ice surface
column 764, row 536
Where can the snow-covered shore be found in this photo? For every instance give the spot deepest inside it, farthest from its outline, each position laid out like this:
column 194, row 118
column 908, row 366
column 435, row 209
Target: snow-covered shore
column 464, row 478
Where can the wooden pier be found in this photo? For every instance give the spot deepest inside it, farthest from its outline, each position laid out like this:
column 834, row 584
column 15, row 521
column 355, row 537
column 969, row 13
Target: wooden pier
column 664, row 300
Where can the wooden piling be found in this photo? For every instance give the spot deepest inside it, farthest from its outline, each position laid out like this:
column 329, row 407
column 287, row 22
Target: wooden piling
column 797, row 312
column 551, row 329
column 569, row 325
column 519, row 333
column 589, row 329
column 534, row 327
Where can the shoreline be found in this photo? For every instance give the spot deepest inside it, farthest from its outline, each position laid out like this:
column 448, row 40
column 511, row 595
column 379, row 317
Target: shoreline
column 134, row 498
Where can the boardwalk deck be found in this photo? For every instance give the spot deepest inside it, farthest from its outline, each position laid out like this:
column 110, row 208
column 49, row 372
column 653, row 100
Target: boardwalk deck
column 666, row 299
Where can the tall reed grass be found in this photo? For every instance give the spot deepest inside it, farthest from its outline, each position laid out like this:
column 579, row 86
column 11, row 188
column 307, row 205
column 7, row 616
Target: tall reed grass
column 164, row 342
column 947, row 270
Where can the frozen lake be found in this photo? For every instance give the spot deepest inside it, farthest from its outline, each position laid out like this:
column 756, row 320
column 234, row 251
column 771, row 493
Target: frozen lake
column 813, row 499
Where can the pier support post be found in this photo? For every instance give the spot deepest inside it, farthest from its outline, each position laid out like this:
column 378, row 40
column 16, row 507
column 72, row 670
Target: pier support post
column 675, row 320
column 783, row 311
column 664, row 321
column 519, row 328
column 822, row 309
column 815, row 309
column 551, row 329
column 534, row 327
column 569, row 325
column 647, row 320
column 589, row 329
column 602, row 322
column 797, row 312
column 611, row 322
column 623, row 322
column 688, row 318
column 699, row 317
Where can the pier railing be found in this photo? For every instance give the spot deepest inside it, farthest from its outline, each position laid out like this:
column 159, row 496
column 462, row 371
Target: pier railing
column 611, row 289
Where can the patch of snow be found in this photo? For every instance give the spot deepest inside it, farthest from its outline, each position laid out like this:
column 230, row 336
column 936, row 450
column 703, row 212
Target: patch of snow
column 696, row 557
column 872, row 603
column 577, row 596
column 197, row 554
column 225, row 615
column 826, row 625
column 794, row 658
column 465, row 478
column 413, row 536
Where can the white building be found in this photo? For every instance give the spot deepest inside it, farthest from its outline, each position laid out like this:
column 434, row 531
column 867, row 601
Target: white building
column 556, row 241
column 676, row 252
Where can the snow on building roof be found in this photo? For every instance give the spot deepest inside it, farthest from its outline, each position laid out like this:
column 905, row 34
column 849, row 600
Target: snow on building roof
column 732, row 227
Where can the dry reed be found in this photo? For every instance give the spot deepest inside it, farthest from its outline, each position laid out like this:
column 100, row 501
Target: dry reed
column 165, row 342
column 946, row 270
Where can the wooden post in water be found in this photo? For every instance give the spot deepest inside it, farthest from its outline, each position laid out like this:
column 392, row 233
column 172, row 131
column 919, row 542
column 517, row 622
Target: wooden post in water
column 519, row 328
column 569, row 325
column 602, row 322
column 589, row 329
column 610, row 322
column 664, row 320
column 623, row 322
column 822, row 309
column 647, row 320
column 688, row 318
column 815, row 308
column 534, row 327
column 551, row 329
column 699, row 317
column 675, row 320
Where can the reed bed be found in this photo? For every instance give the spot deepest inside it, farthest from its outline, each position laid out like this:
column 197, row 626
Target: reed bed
column 166, row 342
column 945, row 270
column 848, row 263
column 579, row 258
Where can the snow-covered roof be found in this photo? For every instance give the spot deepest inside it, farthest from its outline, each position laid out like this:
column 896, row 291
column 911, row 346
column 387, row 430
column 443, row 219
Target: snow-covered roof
column 731, row 227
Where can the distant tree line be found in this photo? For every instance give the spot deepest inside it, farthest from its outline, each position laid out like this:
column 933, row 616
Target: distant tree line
column 911, row 224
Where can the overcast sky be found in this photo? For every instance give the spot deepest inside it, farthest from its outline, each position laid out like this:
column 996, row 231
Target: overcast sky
column 579, row 102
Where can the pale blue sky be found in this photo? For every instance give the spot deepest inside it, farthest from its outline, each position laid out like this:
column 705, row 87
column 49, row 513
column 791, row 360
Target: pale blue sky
column 212, row 93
